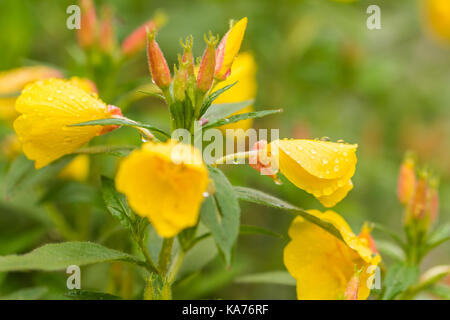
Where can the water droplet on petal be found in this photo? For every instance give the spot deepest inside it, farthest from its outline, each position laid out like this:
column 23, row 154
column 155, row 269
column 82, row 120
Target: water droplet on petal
column 336, row 168
column 313, row 151
column 206, row 194
column 324, row 161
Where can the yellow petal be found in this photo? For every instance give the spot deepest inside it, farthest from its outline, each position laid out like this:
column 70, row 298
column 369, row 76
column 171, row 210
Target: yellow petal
column 13, row 81
column 164, row 182
column 332, row 199
column 318, row 167
column 322, row 264
column 437, row 14
column 244, row 72
column 47, row 108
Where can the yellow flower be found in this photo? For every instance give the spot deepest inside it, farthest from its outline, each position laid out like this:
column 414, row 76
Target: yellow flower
column 228, row 49
column 437, row 14
column 13, row 81
column 77, row 169
column 243, row 71
column 47, row 108
column 322, row 264
column 321, row 168
column 164, row 182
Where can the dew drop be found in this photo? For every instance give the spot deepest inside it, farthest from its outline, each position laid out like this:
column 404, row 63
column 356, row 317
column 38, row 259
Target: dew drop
column 324, row 161
column 205, row 194
column 313, row 151
column 336, row 168
column 50, row 98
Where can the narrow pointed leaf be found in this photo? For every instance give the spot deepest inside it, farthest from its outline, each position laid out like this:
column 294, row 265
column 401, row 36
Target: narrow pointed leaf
column 240, row 117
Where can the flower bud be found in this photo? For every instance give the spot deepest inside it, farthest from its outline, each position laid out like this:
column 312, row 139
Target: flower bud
column 107, row 32
column 180, row 81
column 228, row 49
column 158, row 65
column 419, row 200
column 351, row 293
column 205, row 75
column 406, row 180
column 187, row 55
column 367, row 237
column 87, row 34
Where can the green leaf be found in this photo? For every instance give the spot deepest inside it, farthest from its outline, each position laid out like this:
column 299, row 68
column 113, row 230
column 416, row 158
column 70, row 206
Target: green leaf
column 272, row 277
column 19, row 241
column 90, row 295
column 440, row 290
column 221, row 214
column 58, row 256
column 399, row 277
column 210, row 99
column 223, row 110
column 245, row 229
column 391, row 250
column 121, row 122
column 240, row 117
column 22, row 175
column 116, row 203
column 256, row 196
column 438, row 237
column 33, row 293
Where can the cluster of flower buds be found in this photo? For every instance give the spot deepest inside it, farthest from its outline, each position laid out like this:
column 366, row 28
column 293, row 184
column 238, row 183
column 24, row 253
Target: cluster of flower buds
column 214, row 66
column 100, row 33
column 417, row 190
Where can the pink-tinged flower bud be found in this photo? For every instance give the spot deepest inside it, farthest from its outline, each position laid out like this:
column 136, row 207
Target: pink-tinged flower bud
column 137, row 39
column 187, row 57
column 158, row 65
column 367, row 237
column 107, row 32
column 228, row 49
column 205, row 75
column 419, row 201
column 406, row 180
column 115, row 112
column 87, row 34
column 351, row 293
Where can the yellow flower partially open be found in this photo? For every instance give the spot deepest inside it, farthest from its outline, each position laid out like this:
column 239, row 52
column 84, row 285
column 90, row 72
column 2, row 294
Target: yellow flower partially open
column 47, row 108
column 321, row 168
column 228, row 49
column 322, row 264
column 243, row 71
column 164, row 182
column 13, row 81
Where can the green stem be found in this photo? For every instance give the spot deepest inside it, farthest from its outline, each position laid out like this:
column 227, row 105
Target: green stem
column 234, row 157
column 175, row 267
column 150, row 265
column 164, row 254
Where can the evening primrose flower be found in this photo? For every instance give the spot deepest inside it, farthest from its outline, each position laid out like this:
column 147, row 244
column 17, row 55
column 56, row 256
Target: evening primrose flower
column 164, row 182
column 243, row 71
column 13, row 81
column 437, row 14
column 323, row 265
column 228, row 49
column 321, row 168
column 48, row 108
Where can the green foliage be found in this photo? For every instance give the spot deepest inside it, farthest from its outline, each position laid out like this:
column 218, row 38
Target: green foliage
column 58, row 256
column 220, row 212
column 398, row 278
column 239, row 117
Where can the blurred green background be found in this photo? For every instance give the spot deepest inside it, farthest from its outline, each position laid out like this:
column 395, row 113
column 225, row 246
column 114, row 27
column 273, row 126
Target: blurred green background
column 386, row 90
